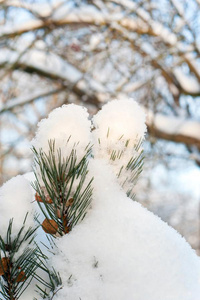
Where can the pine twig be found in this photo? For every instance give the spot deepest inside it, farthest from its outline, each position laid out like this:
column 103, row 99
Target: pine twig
column 62, row 204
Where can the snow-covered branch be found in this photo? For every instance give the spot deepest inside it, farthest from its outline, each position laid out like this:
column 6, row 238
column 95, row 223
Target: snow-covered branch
column 17, row 102
column 85, row 16
column 90, row 52
column 90, row 15
column 142, row 23
column 46, row 64
column 176, row 129
column 52, row 66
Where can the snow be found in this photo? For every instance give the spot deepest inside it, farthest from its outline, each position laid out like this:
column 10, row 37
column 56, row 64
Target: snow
column 41, row 9
column 188, row 83
column 46, row 62
column 27, row 26
column 16, row 196
column 192, row 129
column 65, row 13
column 122, row 251
column 134, row 86
column 53, row 66
column 69, row 126
column 193, row 63
column 119, row 127
column 25, row 99
column 119, row 121
column 85, row 13
column 167, row 36
column 179, row 7
column 16, row 199
column 158, row 29
column 95, row 40
column 174, row 125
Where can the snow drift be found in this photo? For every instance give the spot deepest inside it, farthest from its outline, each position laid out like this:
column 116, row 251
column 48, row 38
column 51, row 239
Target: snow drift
column 120, row 250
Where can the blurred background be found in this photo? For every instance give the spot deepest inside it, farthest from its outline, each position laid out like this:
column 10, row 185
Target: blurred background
column 54, row 52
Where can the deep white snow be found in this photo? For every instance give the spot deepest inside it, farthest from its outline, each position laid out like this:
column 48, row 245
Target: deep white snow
column 120, row 250
column 70, row 128
column 119, row 121
column 16, row 196
column 119, row 128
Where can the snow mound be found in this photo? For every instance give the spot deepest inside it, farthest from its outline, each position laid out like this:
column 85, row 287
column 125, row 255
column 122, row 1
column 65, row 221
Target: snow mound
column 119, row 130
column 119, row 121
column 16, row 196
column 69, row 126
column 122, row 251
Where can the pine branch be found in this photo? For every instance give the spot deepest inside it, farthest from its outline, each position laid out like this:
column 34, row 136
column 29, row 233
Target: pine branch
column 61, row 190
column 128, row 173
column 50, row 287
column 17, row 273
column 63, row 196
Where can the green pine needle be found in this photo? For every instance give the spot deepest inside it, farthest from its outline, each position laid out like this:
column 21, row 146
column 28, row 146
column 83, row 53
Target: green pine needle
column 58, row 176
column 19, row 272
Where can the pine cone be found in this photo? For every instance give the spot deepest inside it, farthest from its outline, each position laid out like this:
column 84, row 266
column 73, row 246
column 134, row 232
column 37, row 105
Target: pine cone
column 47, row 199
column 66, row 226
column 4, row 265
column 21, row 277
column 69, row 202
column 59, row 213
column 50, row 226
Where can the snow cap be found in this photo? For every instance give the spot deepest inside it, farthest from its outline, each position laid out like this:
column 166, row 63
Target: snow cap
column 120, row 121
column 16, row 196
column 69, row 126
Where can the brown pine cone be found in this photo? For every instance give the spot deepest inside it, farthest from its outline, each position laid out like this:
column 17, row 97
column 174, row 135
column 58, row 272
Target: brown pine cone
column 65, row 225
column 69, row 202
column 59, row 213
column 50, row 226
column 21, row 277
column 47, row 199
column 4, row 265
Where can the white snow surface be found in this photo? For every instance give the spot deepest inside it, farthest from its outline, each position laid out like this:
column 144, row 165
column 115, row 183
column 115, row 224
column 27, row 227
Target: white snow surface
column 16, row 196
column 174, row 125
column 119, row 121
column 122, row 251
column 188, row 83
column 69, row 126
column 119, row 127
column 43, row 61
